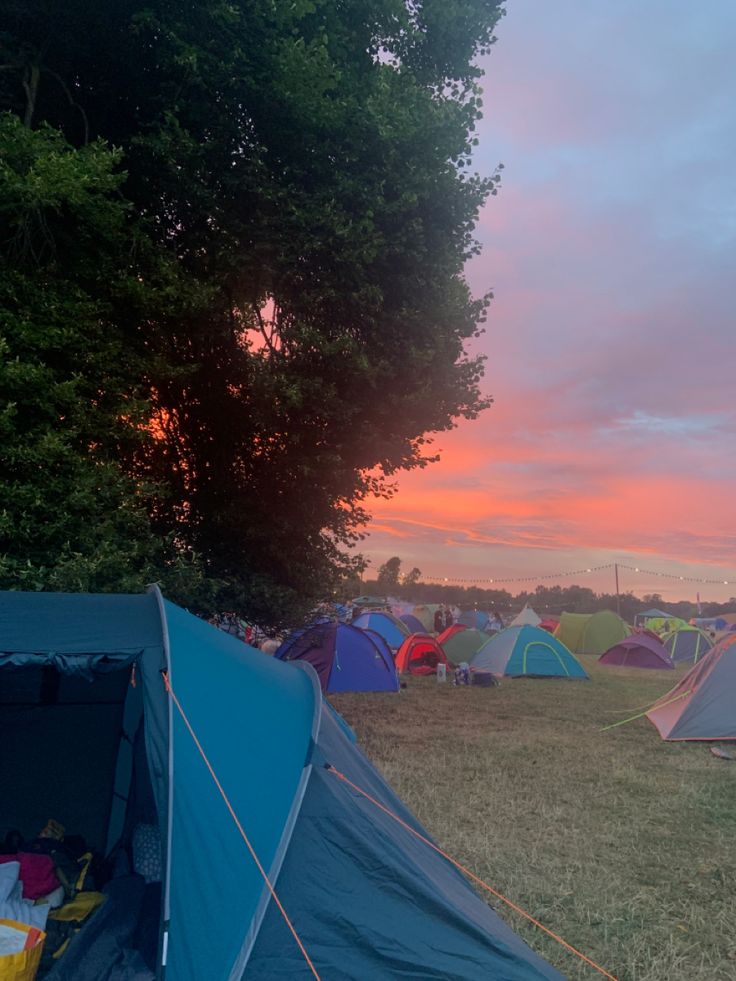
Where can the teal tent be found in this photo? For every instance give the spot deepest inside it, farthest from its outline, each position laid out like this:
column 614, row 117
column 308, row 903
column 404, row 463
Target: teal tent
column 101, row 698
column 527, row 651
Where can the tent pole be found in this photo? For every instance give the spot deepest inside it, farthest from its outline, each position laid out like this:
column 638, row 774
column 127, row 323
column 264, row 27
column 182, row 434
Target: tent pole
column 618, row 598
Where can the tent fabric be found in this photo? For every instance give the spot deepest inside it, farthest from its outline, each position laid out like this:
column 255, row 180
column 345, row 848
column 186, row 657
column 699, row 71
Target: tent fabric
column 527, row 651
column 687, row 644
column 411, row 915
column 414, row 625
column 260, row 699
column 454, row 628
column 550, row 624
column 638, row 651
column 702, row 705
column 464, row 644
column 367, row 901
column 526, row 617
column 425, row 612
column 591, row 633
column 345, row 657
column 477, row 619
column 663, row 625
column 419, row 654
column 391, row 628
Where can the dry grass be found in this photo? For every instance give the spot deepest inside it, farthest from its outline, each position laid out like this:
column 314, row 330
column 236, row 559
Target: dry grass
column 621, row 843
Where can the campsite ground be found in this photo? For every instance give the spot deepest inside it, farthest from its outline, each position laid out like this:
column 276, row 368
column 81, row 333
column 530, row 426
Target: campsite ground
column 619, row 842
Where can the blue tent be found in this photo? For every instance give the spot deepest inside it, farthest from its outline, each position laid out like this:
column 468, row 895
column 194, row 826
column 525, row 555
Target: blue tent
column 414, row 624
column 530, row 651
column 344, row 657
column 100, row 692
column 393, row 630
column 474, row 619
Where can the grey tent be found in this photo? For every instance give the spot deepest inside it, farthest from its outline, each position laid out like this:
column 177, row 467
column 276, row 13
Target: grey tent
column 703, row 704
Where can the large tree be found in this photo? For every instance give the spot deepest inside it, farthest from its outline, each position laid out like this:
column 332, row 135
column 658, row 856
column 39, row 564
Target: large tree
column 301, row 167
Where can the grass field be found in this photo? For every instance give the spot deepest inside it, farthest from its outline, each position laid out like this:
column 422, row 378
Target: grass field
column 621, row 843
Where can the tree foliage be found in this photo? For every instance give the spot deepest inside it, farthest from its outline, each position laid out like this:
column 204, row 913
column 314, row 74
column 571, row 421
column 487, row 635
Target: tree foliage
column 285, row 218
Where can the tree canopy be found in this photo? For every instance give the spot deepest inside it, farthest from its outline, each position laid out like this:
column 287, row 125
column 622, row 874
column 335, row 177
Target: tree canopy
column 234, row 284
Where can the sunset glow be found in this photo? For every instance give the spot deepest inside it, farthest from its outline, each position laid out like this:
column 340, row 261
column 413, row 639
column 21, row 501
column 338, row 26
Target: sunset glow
column 611, row 346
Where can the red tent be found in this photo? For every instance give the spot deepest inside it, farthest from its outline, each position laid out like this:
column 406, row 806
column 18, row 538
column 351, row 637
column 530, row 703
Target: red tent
column 420, row 654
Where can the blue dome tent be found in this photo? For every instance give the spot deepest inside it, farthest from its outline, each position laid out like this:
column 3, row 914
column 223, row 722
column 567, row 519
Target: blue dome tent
column 236, row 748
column 527, row 651
column 393, row 630
column 344, row 657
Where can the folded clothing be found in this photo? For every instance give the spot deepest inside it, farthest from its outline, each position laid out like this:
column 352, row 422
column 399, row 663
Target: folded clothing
column 12, row 905
column 36, row 873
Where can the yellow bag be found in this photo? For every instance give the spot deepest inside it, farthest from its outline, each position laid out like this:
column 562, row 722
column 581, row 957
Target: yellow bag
column 22, row 965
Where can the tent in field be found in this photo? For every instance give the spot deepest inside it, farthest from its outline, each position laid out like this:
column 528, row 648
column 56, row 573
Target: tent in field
column 703, row 703
column 391, row 628
column 424, row 613
column 527, row 652
column 103, row 755
column 477, row 619
column 550, row 624
column 414, row 625
column 462, row 645
column 638, row 651
column 687, row 644
column 591, row 633
column 454, row 628
column 640, row 619
column 527, row 617
column 344, row 657
column 420, row 654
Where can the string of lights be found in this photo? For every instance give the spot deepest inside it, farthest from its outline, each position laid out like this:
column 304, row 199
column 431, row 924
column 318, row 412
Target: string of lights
column 502, row 580
column 673, row 575
column 506, row 579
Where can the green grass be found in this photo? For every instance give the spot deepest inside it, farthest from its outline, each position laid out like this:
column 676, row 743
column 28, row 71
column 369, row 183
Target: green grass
column 621, row 843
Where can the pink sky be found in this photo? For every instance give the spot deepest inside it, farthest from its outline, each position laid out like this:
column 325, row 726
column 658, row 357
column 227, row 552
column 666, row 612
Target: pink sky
column 611, row 344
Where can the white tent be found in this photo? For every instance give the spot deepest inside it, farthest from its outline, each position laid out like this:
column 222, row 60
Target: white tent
column 527, row 618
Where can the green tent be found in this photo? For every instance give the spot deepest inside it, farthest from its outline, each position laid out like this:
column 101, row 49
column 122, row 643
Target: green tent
column 591, row 633
column 461, row 646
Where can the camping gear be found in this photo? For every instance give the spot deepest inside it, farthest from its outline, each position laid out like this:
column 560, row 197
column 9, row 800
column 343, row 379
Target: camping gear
column 419, row 654
column 527, row 652
column 441, row 672
column 21, row 947
column 483, row 679
column 702, row 705
column 638, row 651
column 687, row 644
column 591, row 633
column 368, row 899
column 391, row 628
column 345, row 657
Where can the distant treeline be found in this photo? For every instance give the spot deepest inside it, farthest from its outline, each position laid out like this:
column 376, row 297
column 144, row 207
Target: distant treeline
column 551, row 600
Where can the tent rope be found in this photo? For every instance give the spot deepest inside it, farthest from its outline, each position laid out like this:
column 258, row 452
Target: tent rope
column 471, row 875
column 657, row 704
column 239, row 826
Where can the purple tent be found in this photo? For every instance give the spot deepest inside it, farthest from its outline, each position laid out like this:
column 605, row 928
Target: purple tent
column 344, row 657
column 638, row 651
